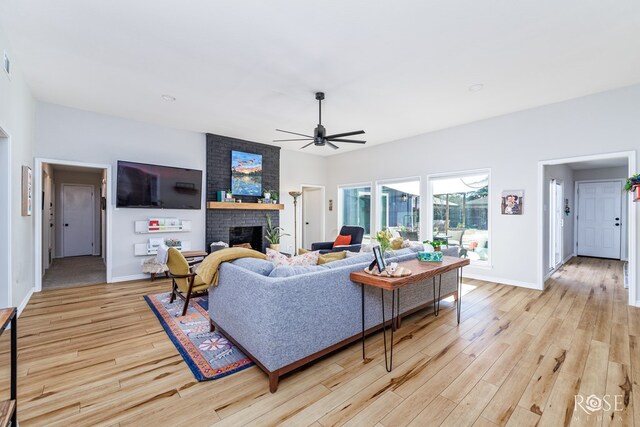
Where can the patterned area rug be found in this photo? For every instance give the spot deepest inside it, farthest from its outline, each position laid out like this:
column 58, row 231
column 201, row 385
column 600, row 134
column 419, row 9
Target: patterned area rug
column 209, row 355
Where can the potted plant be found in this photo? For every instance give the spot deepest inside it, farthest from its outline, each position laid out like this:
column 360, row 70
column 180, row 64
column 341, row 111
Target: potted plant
column 274, row 196
column 633, row 184
column 273, row 234
column 267, row 194
column 384, row 238
column 436, row 244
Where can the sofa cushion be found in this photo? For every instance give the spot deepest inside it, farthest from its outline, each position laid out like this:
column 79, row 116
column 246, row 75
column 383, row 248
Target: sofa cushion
column 331, row 257
column 295, row 270
column 260, row 266
column 308, row 258
column 364, row 258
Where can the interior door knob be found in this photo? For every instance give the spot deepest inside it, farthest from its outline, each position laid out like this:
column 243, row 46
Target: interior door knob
column 66, row 225
column 617, row 224
column 617, row 219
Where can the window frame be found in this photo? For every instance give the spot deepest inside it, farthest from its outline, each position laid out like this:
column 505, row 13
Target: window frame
column 429, row 208
column 378, row 206
column 371, row 207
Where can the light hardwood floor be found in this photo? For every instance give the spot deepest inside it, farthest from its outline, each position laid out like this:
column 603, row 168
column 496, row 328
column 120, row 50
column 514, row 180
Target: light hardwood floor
column 98, row 356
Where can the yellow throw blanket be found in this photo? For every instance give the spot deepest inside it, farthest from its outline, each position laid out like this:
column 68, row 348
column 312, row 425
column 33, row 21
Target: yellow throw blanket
column 208, row 269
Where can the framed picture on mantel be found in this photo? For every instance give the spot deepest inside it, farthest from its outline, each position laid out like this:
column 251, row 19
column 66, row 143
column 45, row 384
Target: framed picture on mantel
column 246, row 174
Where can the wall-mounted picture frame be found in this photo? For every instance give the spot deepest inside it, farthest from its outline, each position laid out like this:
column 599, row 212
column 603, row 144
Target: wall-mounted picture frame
column 246, row 174
column 512, row 202
column 27, row 191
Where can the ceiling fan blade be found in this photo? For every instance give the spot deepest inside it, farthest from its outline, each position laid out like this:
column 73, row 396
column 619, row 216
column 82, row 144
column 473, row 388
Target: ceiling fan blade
column 306, row 145
column 294, row 133
column 339, row 135
column 353, row 141
column 334, row 146
column 299, row 139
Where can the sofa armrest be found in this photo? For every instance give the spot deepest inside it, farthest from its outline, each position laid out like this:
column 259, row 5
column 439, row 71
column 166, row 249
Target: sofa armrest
column 350, row 248
column 321, row 246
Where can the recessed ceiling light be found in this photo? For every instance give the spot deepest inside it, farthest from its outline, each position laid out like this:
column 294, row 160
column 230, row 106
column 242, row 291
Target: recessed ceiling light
column 168, row 97
column 476, row 87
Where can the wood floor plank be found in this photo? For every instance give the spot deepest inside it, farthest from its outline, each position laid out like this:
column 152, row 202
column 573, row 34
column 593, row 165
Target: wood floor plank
column 97, row 356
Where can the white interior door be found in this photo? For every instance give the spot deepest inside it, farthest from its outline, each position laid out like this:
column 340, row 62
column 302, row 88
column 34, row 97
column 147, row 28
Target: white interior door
column 599, row 219
column 311, row 216
column 77, row 220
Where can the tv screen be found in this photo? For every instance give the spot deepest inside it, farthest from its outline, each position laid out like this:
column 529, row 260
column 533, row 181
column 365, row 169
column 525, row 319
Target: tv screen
column 142, row 185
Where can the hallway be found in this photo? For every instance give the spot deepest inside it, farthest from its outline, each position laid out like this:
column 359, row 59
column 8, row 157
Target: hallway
column 74, row 271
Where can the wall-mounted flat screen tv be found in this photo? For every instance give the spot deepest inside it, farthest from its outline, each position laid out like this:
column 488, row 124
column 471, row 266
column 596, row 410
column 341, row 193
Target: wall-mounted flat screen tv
column 142, row 185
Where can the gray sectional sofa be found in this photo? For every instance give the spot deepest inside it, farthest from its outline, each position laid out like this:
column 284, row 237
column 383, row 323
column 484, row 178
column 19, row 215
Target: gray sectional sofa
column 285, row 317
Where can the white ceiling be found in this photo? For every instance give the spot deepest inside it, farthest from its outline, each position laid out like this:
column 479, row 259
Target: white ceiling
column 394, row 69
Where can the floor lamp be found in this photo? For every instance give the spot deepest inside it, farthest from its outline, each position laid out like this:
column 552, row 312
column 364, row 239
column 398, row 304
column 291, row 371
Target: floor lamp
column 295, row 195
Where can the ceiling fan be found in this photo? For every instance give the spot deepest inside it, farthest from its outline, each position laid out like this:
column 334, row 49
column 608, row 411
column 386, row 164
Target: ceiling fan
column 320, row 137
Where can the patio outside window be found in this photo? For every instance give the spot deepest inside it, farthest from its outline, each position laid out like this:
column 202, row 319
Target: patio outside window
column 355, row 206
column 399, row 208
column 461, row 213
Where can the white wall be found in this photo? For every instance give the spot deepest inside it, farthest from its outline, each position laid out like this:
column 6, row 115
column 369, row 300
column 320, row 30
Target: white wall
column 17, row 119
column 511, row 146
column 74, row 177
column 564, row 174
column 68, row 134
column 297, row 169
column 619, row 172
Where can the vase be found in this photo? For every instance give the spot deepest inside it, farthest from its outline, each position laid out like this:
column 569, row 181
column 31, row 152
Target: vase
column 438, row 249
column 636, row 193
column 275, row 246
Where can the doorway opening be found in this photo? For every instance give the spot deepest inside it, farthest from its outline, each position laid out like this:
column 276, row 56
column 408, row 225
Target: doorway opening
column 584, row 212
column 312, row 214
column 73, row 240
column 5, row 220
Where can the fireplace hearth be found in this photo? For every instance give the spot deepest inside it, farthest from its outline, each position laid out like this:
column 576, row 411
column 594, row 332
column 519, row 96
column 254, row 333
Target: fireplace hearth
column 240, row 236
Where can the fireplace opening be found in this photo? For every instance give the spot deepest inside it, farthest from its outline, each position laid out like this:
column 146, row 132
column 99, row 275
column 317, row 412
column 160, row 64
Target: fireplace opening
column 247, row 237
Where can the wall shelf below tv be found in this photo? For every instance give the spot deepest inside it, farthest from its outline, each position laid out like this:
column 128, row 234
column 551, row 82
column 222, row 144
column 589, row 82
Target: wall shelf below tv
column 245, row 206
column 144, row 227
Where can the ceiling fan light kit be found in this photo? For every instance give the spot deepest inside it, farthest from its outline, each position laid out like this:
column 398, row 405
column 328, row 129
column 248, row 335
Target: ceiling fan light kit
column 320, row 137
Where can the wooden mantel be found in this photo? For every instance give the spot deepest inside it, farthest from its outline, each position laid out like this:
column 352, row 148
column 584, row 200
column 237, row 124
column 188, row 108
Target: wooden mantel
column 245, row 206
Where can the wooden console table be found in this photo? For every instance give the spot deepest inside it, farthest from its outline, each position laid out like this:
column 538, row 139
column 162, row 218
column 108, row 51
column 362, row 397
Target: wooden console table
column 9, row 408
column 420, row 271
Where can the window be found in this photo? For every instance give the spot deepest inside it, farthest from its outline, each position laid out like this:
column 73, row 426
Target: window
column 461, row 213
column 399, row 208
column 355, row 207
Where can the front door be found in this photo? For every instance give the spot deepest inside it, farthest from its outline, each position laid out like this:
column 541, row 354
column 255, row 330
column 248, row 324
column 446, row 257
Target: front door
column 77, row 220
column 599, row 219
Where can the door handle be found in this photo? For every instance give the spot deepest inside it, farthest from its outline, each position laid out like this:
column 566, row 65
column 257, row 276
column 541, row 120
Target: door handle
column 66, row 225
column 617, row 219
column 617, row 224
column 306, row 223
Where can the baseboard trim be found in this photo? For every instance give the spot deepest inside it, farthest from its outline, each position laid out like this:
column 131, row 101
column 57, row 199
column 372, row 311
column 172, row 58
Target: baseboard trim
column 568, row 258
column 25, row 301
column 501, row 280
column 140, row 276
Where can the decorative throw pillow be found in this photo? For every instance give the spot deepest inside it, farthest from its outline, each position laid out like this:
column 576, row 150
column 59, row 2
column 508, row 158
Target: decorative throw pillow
column 342, row 240
column 331, row 256
column 278, row 259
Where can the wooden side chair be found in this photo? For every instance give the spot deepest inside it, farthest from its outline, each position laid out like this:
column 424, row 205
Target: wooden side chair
column 185, row 282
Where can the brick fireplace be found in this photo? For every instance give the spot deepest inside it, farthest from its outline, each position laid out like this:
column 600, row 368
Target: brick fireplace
column 220, row 222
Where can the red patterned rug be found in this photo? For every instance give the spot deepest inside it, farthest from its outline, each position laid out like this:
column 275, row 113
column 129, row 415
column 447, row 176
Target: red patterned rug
column 209, row 355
